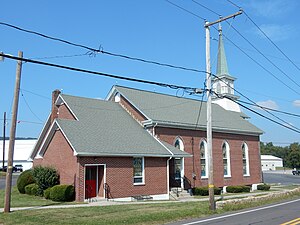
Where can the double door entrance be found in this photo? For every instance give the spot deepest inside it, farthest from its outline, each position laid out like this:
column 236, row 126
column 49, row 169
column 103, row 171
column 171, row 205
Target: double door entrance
column 94, row 181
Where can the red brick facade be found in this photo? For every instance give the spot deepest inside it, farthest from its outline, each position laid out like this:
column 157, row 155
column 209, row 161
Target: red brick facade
column 191, row 141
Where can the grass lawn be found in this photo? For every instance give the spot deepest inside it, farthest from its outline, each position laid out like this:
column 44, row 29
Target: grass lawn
column 152, row 213
column 120, row 214
column 23, row 200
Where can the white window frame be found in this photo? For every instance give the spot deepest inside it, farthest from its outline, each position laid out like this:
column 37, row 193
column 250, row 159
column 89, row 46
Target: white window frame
column 205, row 155
column 181, row 147
column 143, row 172
column 246, row 149
column 227, row 148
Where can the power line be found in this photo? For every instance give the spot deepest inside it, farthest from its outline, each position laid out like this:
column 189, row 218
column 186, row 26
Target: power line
column 49, row 37
column 35, row 94
column 274, row 121
column 259, row 64
column 25, row 121
column 263, row 108
column 29, row 106
column 93, row 51
column 262, row 54
column 153, row 62
column 172, row 3
column 267, row 108
column 203, row 6
column 233, row 4
column 172, row 86
column 254, row 48
column 269, row 39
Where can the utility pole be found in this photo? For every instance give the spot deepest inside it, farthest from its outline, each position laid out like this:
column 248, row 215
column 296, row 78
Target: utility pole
column 212, row 204
column 12, row 136
column 4, row 128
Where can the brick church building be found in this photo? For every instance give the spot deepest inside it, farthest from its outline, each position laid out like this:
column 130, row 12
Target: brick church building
column 141, row 143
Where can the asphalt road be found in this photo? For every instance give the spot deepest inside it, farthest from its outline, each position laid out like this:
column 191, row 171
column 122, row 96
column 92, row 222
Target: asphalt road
column 2, row 181
column 267, row 215
column 284, row 178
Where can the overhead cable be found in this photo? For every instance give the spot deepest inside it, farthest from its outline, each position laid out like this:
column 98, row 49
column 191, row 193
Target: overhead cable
column 172, row 86
column 261, row 115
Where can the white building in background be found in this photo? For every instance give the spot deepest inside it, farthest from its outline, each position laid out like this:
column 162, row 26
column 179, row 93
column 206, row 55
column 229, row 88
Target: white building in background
column 22, row 151
column 270, row 162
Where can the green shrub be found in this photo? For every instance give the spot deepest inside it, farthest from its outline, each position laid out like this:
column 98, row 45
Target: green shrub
column 47, row 193
column 263, row 187
column 24, row 179
column 62, row 193
column 203, row 191
column 45, row 177
column 238, row 189
column 31, row 189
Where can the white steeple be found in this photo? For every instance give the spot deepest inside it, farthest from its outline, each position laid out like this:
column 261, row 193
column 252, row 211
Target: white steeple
column 223, row 84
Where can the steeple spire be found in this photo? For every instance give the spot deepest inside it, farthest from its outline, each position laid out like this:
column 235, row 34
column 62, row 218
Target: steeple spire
column 223, row 83
column 222, row 68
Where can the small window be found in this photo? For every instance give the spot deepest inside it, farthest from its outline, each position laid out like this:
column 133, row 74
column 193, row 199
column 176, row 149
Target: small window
column 138, row 170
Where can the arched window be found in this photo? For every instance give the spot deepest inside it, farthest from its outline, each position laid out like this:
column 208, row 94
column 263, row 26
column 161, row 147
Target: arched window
column 226, row 159
column 245, row 159
column 203, row 159
column 178, row 161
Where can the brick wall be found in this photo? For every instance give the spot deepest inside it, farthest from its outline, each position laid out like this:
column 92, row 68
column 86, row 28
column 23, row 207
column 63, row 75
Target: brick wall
column 119, row 176
column 192, row 139
column 60, row 155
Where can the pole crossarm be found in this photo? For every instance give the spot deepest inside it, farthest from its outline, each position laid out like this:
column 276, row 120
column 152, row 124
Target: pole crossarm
column 208, row 24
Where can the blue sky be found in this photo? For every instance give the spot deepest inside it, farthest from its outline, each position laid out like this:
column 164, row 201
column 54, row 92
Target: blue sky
column 153, row 30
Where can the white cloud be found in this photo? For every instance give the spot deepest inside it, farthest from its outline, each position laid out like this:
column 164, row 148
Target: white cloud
column 276, row 32
column 296, row 103
column 268, row 104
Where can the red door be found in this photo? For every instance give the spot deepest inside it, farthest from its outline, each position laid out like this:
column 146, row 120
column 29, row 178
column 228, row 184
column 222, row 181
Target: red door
column 90, row 182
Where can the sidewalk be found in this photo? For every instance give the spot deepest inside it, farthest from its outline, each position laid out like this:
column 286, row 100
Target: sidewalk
column 111, row 202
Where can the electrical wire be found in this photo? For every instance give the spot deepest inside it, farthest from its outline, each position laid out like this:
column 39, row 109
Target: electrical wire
column 203, row 6
column 261, row 115
column 153, row 62
column 270, row 109
column 93, row 51
column 29, row 106
column 172, row 86
column 35, row 94
column 260, row 65
column 263, row 108
column 269, row 39
column 172, row 3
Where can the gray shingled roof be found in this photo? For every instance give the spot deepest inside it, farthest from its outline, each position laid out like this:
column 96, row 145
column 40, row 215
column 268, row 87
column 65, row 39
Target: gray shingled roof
column 183, row 112
column 105, row 128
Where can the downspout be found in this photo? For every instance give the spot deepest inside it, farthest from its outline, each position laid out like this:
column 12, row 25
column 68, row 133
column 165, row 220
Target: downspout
column 153, row 129
column 168, row 175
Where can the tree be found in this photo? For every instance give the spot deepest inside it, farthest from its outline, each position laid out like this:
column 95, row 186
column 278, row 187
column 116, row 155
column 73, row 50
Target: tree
column 293, row 158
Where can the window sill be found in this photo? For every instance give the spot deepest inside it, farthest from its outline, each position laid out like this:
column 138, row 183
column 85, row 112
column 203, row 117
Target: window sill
column 227, row 176
column 139, row 184
column 246, row 175
column 204, row 177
